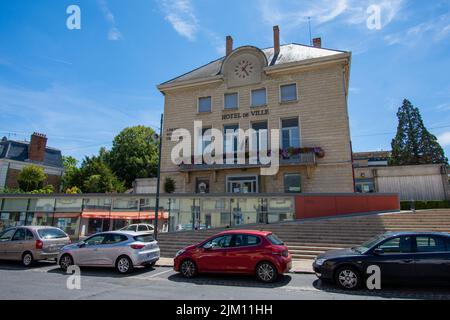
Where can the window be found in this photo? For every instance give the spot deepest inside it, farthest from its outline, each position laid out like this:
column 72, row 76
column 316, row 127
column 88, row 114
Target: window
column 114, row 238
column 29, row 235
column 142, row 228
column 231, row 101
column 220, row 242
column 242, row 184
column 204, row 104
column 96, row 240
column 244, row 240
column 397, row 245
column 206, row 138
column 430, row 244
column 259, row 97
column 144, row 238
column 288, row 93
column 275, row 240
column 51, row 233
column 230, row 147
column 292, row 183
column 19, row 235
column 7, row 235
column 290, row 133
column 261, row 142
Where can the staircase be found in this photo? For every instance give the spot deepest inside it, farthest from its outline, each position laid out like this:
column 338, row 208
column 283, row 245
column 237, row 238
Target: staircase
column 306, row 239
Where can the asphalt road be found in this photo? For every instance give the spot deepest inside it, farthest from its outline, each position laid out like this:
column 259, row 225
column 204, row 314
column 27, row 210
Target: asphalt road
column 47, row 281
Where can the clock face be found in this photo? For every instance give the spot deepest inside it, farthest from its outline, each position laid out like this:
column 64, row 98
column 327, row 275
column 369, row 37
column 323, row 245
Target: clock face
column 243, row 69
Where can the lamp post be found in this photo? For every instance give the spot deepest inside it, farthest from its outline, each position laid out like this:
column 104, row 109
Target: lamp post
column 158, row 177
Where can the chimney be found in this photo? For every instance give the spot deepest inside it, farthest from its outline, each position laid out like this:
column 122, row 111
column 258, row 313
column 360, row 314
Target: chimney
column 276, row 40
column 317, row 42
column 36, row 148
column 229, row 45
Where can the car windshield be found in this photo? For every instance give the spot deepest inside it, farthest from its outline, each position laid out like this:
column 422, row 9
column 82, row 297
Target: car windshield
column 368, row 244
column 144, row 238
column 275, row 240
column 51, row 234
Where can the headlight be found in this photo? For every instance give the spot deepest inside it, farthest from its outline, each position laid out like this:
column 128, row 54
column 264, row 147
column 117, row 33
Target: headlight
column 179, row 253
column 320, row 262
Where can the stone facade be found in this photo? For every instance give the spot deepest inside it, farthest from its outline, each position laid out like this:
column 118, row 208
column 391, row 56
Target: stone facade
column 320, row 107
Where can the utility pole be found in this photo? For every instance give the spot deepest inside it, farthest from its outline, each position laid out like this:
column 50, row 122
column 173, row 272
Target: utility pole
column 159, row 177
column 310, row 33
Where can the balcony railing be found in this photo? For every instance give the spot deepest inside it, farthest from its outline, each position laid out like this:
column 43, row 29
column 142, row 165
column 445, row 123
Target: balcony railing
column 302, row 159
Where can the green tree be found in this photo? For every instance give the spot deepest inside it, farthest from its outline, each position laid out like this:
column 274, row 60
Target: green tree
column 134, row 154
column 31, row 178
column 414, row 144
column 71, row 171
column 169, row 185
column 95, row 176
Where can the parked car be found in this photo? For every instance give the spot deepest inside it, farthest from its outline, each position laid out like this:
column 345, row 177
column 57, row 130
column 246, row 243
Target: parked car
column 402, row 257
column 250, row 252
column 122, row 250
column 140, row 227
column 32, row 243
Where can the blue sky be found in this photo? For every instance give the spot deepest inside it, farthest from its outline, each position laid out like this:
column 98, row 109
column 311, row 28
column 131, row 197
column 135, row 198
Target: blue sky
column 81, row 87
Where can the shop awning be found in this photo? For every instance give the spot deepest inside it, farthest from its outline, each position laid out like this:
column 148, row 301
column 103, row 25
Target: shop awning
column 123, row 215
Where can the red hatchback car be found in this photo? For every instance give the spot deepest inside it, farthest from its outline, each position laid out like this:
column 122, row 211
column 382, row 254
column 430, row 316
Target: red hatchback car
column 250, row 252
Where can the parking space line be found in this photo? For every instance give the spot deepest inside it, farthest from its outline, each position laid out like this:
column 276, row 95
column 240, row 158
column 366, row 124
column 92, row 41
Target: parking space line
column 160, row 273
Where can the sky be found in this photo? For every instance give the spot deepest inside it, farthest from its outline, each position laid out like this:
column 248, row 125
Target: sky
column 81, row 87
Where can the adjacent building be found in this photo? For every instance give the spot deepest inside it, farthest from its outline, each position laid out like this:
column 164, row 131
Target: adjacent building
column 15, row 155
column 299, row 89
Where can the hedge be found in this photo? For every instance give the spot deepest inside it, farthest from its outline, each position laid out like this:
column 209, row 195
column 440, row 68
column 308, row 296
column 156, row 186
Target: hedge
column 424, row 205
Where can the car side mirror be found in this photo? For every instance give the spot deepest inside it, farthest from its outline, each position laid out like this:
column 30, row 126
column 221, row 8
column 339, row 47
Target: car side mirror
column 378, row 251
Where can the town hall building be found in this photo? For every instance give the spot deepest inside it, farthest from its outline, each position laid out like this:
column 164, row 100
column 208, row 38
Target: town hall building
column 298, row 89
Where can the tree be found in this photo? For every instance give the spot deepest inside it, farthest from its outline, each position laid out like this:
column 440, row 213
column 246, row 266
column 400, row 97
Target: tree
column 134, row 154
column 71, row 171
column 95, row 176
column 31, row 178
column 414, row 144
column 169, row 185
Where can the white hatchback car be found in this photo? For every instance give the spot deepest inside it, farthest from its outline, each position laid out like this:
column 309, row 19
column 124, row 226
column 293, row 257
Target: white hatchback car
column 120, row 249
column 139, row 227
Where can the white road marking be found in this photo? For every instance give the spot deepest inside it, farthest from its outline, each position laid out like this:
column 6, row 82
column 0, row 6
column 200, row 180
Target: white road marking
column 163, row 272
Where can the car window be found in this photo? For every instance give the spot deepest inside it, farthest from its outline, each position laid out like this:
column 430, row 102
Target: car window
column 131, row 228
column 114, row 238
column 150, row 227
column 397, row 245
column 221, row 242
column 244, row 240
column 144, row 238
column 142, row 228
column 7, row 235
column 19, row 235
column 51, row 233
column 274, row 240
column 29, row 235
column 95, row 240
column 430, row 244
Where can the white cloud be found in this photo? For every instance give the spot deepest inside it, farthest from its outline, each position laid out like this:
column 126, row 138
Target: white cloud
column 113, row 33
column 435, row 29
column 181, row 15
column 293, row 14
column 444, row 139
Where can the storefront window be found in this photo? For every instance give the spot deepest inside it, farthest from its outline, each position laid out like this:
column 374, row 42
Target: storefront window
column 97, row 204
column 12, row 219
column 125, row 204
column 280, row 209
column 68, row 205
column 15, row 205
column 292, row 183
column 41, row 218
column 45, row 204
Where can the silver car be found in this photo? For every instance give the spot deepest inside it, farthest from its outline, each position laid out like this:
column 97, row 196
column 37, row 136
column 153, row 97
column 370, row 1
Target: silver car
column 32, row 243
column 120, row 249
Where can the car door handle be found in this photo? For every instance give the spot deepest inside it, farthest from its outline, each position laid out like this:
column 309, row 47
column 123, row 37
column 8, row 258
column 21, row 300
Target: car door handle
column 408, row 260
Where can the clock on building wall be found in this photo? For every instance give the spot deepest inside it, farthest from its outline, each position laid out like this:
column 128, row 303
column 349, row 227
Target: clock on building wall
column 244, row 69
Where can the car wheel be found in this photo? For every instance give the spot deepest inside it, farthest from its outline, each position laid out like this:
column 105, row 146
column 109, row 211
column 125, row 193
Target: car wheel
column 188, row 269
column 124, row 265
column 27, row 259
column 348, row 278
column 65, row 262
column 266, row 272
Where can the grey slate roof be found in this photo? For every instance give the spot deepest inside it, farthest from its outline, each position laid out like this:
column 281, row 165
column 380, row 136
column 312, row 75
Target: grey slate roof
column 288, row 53
column 18, row 151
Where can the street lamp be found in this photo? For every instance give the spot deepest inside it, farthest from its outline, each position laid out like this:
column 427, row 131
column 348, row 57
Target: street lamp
column 158, row 177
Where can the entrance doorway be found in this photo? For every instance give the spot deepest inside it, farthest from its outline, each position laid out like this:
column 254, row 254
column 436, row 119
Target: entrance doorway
column 242, row 184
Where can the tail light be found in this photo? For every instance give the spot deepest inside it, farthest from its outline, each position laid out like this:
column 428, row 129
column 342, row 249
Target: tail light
column 137, row 246
column 39, row 244
column 284, row 253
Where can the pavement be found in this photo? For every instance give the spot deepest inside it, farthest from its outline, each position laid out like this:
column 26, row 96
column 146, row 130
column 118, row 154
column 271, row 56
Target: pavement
column 46, row 281
column 298, row 266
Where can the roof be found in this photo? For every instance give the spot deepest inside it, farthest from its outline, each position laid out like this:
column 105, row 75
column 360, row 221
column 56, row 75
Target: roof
column 18, row 151
column 412, row 233
column 288, row 53
column 252, row 232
